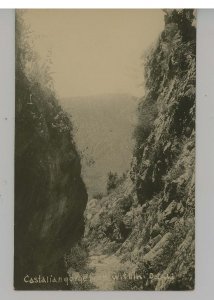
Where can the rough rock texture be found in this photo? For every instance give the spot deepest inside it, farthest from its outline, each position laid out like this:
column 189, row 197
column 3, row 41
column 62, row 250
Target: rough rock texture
column 152, row 225
column 163, row 170
column 109, row 220
column 50, row 196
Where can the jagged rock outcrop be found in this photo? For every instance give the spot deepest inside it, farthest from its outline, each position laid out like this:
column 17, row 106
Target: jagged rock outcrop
column 159, row 215
column 50, row 196
column 163, row 169
column 109, row 220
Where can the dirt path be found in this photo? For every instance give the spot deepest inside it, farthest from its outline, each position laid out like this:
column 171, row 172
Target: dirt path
column 105, row 266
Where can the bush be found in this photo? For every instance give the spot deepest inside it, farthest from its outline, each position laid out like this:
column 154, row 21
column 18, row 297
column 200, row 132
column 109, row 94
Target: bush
column 147, row 112
column 98, row 196
column 78, row 268
column 112, row 181
column 77, row 259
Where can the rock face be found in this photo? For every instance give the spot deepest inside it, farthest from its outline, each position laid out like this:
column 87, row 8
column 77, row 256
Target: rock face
column 155, row 230
column 50, row 196
column 163, row 169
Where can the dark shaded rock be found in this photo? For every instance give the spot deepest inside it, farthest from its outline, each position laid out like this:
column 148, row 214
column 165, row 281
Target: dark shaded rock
column 50, row 196
column 155, row 230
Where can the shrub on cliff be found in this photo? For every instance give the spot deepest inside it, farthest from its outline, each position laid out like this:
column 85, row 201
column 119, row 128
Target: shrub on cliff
column 50, row 196
column 112, row 181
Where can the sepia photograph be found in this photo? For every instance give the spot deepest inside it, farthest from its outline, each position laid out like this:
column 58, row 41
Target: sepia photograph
column 105, row 149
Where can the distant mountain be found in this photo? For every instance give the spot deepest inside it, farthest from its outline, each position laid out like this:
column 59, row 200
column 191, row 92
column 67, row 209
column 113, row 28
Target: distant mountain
column 103, row 127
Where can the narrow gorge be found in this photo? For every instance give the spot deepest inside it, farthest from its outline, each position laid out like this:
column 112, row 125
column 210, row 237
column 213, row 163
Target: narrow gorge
column 147, row 220
column 104, row 184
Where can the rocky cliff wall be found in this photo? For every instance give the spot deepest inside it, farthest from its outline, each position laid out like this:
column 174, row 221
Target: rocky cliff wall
column 148, row 220
column 50, row 196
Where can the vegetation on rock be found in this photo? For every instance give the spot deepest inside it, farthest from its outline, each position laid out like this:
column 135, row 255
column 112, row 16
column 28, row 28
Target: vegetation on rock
column 148, row 220
column 145, row 220
column 50, row 196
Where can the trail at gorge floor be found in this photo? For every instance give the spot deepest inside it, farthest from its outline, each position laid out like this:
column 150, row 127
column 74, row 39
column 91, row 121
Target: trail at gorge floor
column 105, row 267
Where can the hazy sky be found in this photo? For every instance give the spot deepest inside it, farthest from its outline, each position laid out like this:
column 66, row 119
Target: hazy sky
column 95, row 51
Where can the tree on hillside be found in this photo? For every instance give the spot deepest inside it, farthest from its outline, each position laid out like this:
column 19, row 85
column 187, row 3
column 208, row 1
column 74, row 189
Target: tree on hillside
column 112, row 181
